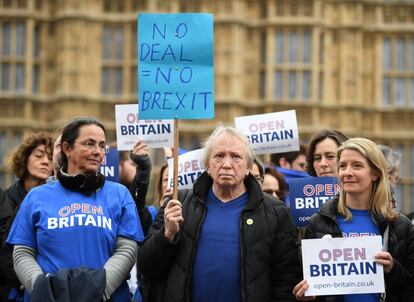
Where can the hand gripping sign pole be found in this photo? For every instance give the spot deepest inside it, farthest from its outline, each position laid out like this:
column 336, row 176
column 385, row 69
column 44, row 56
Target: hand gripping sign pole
column 175, row 154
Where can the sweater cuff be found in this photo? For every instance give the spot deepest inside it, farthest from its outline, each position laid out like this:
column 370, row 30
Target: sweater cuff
column 163, row 243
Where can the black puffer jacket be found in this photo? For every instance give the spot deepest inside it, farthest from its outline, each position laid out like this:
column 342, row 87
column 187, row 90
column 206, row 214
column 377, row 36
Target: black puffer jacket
column 270, row 266
column 399, row 282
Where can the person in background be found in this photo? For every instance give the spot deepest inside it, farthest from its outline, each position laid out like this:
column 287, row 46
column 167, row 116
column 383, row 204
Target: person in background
column 32, row 164
column 134, row 173
column 270, row 184
column 321, row 156
column 411, row 217
column 257, row 170
column 1, row 195
column 274, row 183
column 363, row 208
column 164, row 192
column 393, row 160
column 224, row 240
column 55, row 159
column 163, row 189
column 81, row 223
column 291, row 164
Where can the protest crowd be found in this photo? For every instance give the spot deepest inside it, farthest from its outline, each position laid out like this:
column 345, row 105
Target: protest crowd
column 69, row 233
column 253, row 215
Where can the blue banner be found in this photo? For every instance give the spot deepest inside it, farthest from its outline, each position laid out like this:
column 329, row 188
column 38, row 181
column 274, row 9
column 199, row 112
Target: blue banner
column 110, row 165
column 307, row 195
column 175, row 66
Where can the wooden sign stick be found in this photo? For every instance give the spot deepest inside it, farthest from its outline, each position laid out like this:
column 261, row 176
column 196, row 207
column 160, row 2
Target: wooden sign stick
column 175, row 154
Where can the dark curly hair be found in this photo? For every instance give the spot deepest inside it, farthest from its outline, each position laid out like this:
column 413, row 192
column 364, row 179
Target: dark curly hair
column 337, row 136
column 18, row 162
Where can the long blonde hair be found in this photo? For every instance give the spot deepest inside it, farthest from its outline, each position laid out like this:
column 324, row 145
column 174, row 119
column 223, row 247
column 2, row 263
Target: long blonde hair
column 381, row 195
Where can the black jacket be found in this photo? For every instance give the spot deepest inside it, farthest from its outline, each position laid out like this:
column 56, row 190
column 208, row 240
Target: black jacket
column 139, row 188
column 12, row 199
column 79, row 284
column 399, row 282
column 270, row 266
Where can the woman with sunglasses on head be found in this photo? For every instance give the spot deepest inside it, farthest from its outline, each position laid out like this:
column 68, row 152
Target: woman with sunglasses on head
column 363, row 208
column 80, row 226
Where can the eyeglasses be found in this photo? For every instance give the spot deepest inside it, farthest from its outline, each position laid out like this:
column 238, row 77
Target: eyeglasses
column 91, row 145
column 270, row 192
column 397, row 177
column 259, row 178
column 398, row 180
column 302, row 165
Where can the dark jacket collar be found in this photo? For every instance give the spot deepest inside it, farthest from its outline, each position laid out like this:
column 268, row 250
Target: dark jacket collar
column 16, row 192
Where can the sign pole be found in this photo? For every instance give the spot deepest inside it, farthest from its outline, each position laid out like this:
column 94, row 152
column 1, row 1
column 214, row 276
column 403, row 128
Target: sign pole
column 175, row 154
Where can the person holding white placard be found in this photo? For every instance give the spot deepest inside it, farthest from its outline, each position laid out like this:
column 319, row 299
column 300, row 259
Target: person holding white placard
column 134, row 173
column 363, row 208
column 224, row 240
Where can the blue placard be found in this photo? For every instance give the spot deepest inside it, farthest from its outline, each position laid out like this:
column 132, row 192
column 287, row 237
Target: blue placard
column 175, row 66
column 110, row 165
column 307, row 195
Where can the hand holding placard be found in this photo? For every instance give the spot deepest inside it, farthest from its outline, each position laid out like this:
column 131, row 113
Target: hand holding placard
column 337, row 266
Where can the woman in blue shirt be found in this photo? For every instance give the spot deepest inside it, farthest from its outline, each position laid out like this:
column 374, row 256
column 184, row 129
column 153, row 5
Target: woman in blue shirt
column 81, row 220
column 363, row 208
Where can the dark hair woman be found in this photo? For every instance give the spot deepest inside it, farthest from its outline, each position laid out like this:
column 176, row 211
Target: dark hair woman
column 321, row 156
column 79, row 222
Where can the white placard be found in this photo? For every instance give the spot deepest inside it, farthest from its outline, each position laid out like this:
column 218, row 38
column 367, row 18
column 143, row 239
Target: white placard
column 154, row 133
column 271, row 132
column 337, row 266
column 190, row 167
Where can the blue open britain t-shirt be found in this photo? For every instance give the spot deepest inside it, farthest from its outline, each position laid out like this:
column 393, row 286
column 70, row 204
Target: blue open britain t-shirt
column 69, row 229
column 360, row 225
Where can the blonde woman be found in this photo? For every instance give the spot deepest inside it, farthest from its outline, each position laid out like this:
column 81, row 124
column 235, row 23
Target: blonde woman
column 363, row 208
